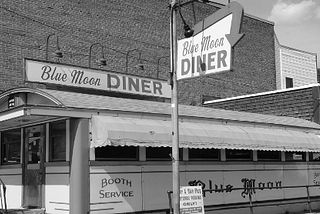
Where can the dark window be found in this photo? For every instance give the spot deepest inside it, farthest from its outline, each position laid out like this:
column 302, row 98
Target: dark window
column 314, row 156
column 269, row 155
column 160, row 153
column 57, row 136
column 289, row 82
column 295, row 156
column 204, row 154
column 35, row 141
column 117, row 153
column 11, row 146
column 233, row 154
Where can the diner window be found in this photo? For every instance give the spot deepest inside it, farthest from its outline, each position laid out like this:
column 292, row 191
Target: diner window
column 315, row 156
column 117, row 153
column 161, row 153
column 295, row 156
column 11, row 146
column 204, row 154
column 234, row 154
column 57, row 142
column 269, row 155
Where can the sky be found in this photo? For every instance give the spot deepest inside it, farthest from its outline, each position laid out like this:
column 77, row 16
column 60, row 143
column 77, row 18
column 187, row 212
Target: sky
column 297, row 22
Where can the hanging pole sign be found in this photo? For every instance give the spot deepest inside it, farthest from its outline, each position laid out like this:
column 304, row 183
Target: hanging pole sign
column 210, row 49
column 191, row 200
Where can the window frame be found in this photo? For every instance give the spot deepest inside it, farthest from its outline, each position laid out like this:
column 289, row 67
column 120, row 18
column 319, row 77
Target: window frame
column 99, row 159
column 218, row 158
column 3, row 144
column 239, row 159
column 269, row 159
column 51, row 136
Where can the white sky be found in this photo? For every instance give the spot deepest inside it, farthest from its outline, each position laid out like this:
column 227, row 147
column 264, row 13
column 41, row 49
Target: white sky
column 297, row 22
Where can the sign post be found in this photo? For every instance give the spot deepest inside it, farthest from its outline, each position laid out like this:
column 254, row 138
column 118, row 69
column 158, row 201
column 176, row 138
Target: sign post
column 208, row 51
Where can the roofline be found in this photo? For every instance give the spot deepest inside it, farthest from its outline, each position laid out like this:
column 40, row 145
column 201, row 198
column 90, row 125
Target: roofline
column 30, row 90
column 295, row 49
column 262, row 93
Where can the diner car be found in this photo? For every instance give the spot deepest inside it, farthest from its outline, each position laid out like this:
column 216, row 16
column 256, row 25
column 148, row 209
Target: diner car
column 70, row 152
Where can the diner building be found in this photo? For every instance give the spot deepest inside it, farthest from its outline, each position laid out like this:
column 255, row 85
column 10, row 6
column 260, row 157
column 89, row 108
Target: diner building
column 74, row 152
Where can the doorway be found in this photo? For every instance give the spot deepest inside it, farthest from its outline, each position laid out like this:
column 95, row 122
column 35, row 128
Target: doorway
column 33, row 166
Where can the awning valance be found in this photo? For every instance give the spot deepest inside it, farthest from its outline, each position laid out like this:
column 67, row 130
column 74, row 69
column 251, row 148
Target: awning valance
column 118, row 131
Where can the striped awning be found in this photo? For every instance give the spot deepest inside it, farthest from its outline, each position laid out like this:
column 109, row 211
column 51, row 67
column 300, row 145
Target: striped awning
column 120, row 131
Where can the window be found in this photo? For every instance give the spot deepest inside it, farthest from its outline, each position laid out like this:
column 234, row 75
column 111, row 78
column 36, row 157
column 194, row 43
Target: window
column 11, row 146
column 289, row 82
column 269, row 155
column 118, row 153
column 204, row 154
column 233, row 154
column 57, row 142
column 161, row 153
column 314, row 156
column 35, row 140
column 295, row 156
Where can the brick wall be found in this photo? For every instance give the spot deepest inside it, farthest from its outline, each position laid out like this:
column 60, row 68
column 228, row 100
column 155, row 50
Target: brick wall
column 122, row 25
column 300, row 103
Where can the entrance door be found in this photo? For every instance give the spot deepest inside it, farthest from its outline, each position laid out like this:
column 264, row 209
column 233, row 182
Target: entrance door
column 33, row 166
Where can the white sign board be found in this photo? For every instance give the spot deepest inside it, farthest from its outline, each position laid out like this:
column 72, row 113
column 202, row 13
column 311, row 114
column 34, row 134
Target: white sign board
column 206, row 53
column 191, row 200
column 45, row 72
column 209, row 51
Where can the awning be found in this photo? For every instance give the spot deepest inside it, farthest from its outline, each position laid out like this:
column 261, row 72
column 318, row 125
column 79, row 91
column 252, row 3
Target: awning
column 119, row 131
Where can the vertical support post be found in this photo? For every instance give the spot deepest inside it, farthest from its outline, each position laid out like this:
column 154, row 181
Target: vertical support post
column 170, row 202
column 174, row 114
column 309, row 202
column 250, row 200
column 79, row 167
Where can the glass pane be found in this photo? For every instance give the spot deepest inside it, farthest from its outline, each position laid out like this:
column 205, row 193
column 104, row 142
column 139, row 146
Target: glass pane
column 204, row 154
column 11, row 146
column 238, row 154
column 269, row 155
column 161, row 153
column 116, row 153
column 58, row 141
column 295, row 156
column 314, row 156
column 36, row 139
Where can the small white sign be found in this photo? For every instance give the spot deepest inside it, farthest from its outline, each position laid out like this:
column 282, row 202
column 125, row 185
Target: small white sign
column 191, row 200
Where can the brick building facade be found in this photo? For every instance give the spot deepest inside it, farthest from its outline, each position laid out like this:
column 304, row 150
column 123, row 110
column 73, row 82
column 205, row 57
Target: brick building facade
column 121, row 26
column 300, row 102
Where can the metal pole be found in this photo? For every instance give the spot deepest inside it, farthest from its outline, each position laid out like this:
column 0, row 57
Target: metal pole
column 309, row 202
column 174, row 114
